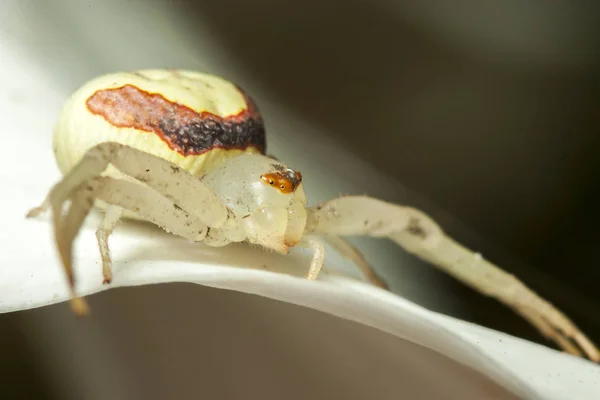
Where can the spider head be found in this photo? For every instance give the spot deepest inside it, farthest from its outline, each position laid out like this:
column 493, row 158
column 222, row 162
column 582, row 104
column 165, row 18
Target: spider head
column 266, row 197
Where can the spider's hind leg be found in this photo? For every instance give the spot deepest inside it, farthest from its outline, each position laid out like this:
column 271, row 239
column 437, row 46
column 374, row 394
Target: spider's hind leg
column 170, row 197
column 146, row 204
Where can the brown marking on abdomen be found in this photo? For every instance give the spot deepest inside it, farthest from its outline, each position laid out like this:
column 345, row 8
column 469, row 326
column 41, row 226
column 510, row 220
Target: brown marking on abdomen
column 184, row 130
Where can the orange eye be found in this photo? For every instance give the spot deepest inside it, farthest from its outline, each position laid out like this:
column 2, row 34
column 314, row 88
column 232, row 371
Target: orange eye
column 285, row 184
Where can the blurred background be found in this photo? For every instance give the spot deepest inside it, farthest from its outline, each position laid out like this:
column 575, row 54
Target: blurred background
column 483, row 114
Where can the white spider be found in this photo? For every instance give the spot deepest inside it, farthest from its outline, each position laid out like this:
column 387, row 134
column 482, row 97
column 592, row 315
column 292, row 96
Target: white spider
column 186, row 151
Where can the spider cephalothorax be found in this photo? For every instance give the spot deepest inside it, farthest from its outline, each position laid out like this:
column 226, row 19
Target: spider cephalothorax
column 271, row 215
column 186, row 151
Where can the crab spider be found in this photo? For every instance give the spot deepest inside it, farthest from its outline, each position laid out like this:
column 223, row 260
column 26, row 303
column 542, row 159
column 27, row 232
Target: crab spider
column 186, row 151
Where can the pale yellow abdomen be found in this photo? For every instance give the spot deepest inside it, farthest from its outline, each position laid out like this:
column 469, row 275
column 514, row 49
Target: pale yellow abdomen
column 169, row 113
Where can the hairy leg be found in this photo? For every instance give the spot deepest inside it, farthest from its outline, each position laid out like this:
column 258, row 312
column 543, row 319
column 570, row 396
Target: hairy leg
column 421, row 236
column 146, row 203
column 182, row 188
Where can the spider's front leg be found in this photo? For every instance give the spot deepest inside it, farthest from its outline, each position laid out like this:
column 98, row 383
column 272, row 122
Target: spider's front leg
column 420, row 235
column 318, row 257
column 171, row 198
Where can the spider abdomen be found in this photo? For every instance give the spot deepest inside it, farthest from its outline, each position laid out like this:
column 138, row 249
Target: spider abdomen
column 192, row 119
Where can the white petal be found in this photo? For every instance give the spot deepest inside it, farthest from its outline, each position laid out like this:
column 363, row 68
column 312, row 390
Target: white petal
column 30, row 277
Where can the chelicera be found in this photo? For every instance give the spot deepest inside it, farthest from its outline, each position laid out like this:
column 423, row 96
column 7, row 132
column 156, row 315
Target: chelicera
column 187, row 152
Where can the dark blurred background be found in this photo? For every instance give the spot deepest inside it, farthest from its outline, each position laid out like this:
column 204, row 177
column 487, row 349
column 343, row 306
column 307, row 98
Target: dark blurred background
column 485, row 110
column 488, row 111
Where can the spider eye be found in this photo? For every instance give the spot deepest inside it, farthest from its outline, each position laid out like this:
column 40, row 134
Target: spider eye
column 283, row 183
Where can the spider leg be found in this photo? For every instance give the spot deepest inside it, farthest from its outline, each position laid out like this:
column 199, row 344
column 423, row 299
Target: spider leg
column 171, row 181
column 318, row 257
column 420, row 235
column 146, row 204
column 547, row 331
column 65, row 231
column 149, row 205
column 112, row 216
column 346, row 249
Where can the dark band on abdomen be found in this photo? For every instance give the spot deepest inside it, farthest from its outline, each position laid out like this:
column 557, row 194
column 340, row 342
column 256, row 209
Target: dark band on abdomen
column 185, row 131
